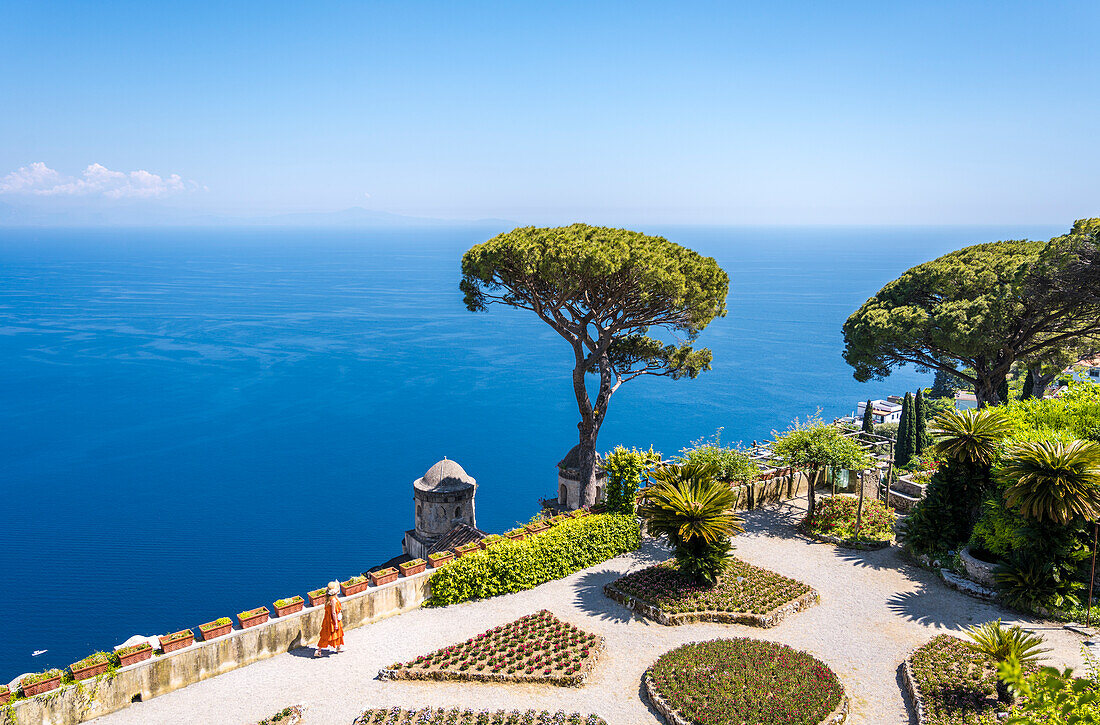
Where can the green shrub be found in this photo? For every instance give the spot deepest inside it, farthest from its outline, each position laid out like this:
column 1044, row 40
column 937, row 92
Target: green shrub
column 513, row 566
column 732, row 464
column 836, row 516
column 625, row 468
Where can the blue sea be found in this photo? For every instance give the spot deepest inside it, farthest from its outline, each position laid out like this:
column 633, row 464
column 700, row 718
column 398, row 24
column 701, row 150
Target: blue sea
column 197, row 422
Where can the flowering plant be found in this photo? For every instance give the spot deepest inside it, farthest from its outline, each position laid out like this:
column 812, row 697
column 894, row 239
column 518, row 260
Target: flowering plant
column 957, row 684
column 453, row 716
column 742, row 588
column 728, row 681
column 836, row 516
column 539, row 647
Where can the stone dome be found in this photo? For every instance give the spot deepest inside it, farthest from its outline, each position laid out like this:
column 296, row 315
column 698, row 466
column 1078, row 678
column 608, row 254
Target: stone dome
column 445, row 477
column 571, row 464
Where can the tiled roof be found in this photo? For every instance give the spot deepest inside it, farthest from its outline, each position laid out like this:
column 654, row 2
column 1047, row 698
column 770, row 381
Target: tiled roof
column 459, row 535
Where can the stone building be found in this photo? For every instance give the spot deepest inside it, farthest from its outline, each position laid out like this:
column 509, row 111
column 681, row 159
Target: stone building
column 444, row 500
column 569, row 476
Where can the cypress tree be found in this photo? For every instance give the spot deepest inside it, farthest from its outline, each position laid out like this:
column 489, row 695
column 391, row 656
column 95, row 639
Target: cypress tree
column 923, row 439
column 903, row 448
column 1029, row 386
column 868, row 419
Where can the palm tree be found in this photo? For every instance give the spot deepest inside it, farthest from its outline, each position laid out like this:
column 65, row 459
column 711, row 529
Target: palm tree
column 970, row 436
column 1054, row 481
column 1002, row 643
column 694, row 510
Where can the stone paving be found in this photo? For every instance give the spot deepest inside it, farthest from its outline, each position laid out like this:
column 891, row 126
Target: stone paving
column 875, row 608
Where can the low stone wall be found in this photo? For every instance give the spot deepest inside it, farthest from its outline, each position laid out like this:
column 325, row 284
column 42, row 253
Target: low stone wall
column 202, row 660
column 771, row 619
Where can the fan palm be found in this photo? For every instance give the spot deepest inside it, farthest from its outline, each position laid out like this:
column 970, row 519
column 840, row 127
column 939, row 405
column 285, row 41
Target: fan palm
column 970, row 436
column 1053, row 481
column 1001, row 643
column 694, row 510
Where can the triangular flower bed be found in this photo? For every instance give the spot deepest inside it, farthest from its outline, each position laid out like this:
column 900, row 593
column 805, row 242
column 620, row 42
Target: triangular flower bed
column 537, row 648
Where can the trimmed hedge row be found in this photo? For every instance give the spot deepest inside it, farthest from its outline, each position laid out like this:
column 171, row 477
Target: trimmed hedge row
column 512, row 566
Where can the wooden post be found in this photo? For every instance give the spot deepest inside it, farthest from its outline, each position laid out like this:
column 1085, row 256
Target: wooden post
column 1092, row 580
column 859, row 509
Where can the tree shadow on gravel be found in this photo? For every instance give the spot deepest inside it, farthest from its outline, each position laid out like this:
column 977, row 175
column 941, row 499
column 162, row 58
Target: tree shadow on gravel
column 879, row 559
column 926, row 606
column 589, row 596
column 777, row 521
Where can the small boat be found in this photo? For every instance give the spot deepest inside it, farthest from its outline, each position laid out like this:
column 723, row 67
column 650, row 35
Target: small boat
column 39, row 652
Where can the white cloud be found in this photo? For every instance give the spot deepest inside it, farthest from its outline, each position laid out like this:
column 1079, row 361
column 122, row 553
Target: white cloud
column 96, row 180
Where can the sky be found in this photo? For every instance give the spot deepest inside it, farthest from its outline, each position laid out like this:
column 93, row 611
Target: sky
column 543, row 113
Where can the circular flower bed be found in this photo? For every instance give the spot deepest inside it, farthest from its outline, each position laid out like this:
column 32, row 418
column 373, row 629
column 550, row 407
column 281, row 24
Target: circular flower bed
column 954, row 684
column 743, row 682
column 433, row 716
column 539, row 647
column 835, row 516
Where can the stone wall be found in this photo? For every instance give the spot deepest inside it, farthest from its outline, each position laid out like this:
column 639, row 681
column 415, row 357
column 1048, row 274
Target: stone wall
column 780, row 485
column 202, row 660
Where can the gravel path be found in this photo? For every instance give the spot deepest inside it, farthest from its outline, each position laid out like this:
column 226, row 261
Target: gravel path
column 874, row 610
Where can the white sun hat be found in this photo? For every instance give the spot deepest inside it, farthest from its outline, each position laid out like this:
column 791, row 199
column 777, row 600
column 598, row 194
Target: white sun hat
column 334, row 587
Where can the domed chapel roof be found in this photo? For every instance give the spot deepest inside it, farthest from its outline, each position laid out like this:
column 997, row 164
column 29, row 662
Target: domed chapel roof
column 445, row 477
column 572, row 461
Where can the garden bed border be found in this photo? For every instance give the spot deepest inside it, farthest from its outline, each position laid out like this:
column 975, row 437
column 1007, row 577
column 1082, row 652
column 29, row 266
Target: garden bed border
column 849, row 543
column 575, row 680
column 765, row 621
column 673, row 717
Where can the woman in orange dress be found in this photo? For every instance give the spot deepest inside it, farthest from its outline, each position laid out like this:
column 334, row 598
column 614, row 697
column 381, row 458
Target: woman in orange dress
column 332, row 628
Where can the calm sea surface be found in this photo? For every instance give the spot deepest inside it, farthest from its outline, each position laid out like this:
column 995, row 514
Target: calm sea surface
column 194, row 423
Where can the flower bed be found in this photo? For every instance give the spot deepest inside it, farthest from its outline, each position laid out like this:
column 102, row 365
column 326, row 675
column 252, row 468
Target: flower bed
column 467, row 549
column 133, row 654
column 217, row 628
column 40, row 682
column 952, row 684
column 383, row 576
column 253, row 617
column 409, row 568
column 287, row 716
column 745, row 594
column 835, row 517
column 290, row 605
column 536, row 648
column 744, row 681
column 317, row 596
column 177, row 640
column 456, row 716
column 354, row 585
column 439, row 558
column 92, row 665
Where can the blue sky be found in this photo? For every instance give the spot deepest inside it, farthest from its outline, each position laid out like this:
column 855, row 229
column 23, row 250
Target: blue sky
column 800, row 113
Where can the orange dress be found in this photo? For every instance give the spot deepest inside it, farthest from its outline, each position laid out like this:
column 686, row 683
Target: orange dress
column 332, row 629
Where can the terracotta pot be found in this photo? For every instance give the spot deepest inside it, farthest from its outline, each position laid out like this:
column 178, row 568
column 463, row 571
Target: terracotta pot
column 379, row 580
column 410, row 570
column 440, row 561
column 463, row 551
column 536, row 528
column 134, row 657
column 517, row 536
column 218, row 631
column 40, row 687
column 178, row 643
column 316, row 600
column 83, row 673
column 354, row 588
column 290, row 608
column 5, row 695
column 258, row 617
column 579, row 514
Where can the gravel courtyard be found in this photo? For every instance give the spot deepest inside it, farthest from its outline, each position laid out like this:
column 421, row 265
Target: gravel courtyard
column 874, row 609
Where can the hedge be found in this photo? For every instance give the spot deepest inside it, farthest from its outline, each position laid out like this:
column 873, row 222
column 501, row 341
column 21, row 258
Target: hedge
column 513, row 566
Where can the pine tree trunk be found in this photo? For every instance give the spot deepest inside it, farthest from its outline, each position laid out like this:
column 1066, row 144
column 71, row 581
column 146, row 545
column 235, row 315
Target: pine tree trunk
column 811, row 494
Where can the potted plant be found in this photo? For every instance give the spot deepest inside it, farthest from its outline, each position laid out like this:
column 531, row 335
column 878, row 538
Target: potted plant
column 579, row 513
column 40, row 682
column 317, row 597
column 461, row 551
column 537, row 528
column 491, row 540
column 220, row 626
column 253, row 617
column 383, row 576
column 412, row 567
column 555, row 520
column 92, row 665
column 134, row 653
column 177, row 640
column 354, row 585
column 439, row 558
column 284, row 607
column 5, row 694
column 516, row 534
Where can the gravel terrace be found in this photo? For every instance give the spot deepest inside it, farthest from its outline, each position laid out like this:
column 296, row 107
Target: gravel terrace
column 875, row 608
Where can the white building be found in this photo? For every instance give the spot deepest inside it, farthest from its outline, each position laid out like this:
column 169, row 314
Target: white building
column 882, row 411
